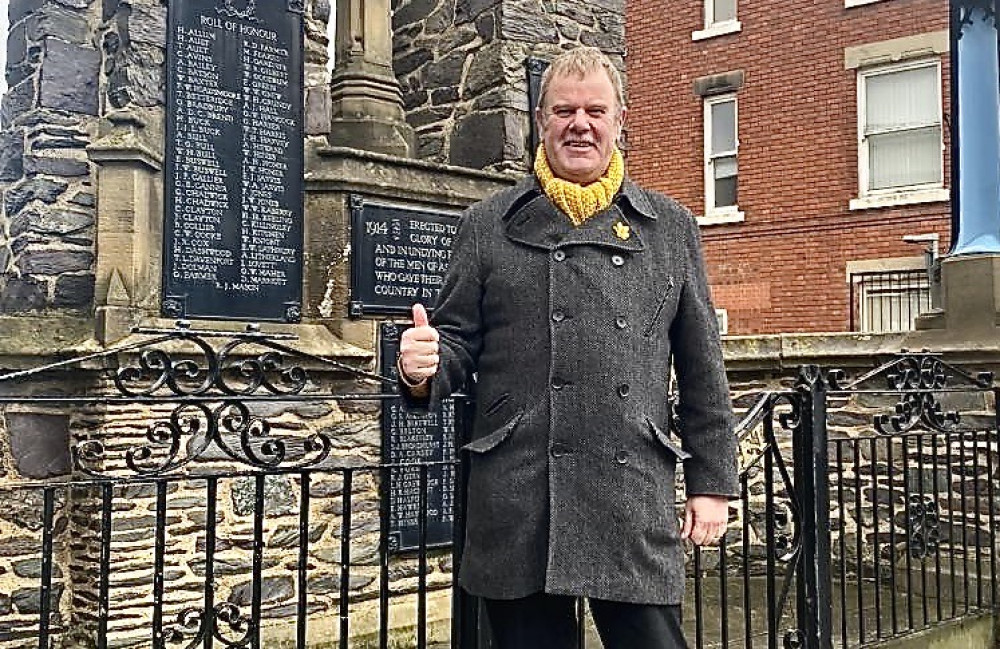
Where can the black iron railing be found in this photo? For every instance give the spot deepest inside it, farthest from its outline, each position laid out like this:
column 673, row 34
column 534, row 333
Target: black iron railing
column 198, row 513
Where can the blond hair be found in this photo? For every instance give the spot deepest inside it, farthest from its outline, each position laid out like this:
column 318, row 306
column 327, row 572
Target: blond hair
column 581, row 61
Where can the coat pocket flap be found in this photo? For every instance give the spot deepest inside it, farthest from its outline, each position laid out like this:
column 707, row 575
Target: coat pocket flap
column 494, row 439
column 668, row 443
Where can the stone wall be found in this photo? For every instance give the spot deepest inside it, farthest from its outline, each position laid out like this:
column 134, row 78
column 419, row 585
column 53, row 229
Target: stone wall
column 462, row 69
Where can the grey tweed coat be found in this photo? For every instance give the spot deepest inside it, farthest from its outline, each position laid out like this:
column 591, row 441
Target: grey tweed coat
column 571, row 484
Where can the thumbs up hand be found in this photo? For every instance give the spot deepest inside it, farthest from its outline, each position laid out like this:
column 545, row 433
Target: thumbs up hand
column 418, row 349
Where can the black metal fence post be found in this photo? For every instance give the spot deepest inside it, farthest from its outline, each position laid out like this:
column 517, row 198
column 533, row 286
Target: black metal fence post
column 812, row 482
column 465, row 608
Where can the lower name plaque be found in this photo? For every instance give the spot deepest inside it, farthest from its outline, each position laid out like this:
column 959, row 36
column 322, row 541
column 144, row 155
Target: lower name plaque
column 411, row 438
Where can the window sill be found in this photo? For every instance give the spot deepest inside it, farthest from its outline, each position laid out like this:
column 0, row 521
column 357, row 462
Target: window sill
column 857, row 3
column 721, row 217
column 718, row 29
column 913, row 197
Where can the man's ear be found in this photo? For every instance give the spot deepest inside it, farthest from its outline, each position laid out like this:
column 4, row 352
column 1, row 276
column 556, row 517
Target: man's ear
column 622, row 118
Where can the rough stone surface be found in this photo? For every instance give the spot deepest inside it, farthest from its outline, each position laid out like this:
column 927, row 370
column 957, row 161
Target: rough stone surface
column 11, row 154
column 68, row 167
column 473, row 144
column 18, row 100
column 147, row 23
column 18, row 9
column 22, row 294
column 32, row 568
column 39, row 444
column 54, row 222
column 28, row 601
column 55, row 262
column 272, row 589
column 57, row 22
column 6, row 605
column 35, row 188
column 74, row 291
column 70, row 75
column 279, row 496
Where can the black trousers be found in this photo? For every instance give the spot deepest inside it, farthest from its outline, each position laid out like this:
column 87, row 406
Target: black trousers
column 543, row 621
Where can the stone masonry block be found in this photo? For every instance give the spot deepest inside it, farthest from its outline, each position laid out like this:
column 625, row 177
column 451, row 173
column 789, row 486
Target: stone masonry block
column 473, row 142
column 70, row 76
column 11, row 154
column 74, row 291
column 53, row 21
column 22, row 294
column 55, row 262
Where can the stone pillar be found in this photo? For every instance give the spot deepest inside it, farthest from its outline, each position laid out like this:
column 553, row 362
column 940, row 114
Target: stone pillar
column 462, row 67
column 366, row 104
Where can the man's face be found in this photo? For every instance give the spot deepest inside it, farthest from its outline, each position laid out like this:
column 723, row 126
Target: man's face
column 580, row 122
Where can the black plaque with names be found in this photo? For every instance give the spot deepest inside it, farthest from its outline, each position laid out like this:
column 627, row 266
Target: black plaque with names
column 399, row 256
column 234, row 160
column 409, row 437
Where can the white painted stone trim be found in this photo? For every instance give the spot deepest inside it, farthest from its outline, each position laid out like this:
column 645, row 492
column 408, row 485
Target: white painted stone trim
column 718, row 29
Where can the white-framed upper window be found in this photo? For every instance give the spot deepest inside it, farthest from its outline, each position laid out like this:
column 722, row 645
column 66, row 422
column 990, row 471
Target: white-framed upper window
column 900, row 145
column 721, row 166
column 720, row 18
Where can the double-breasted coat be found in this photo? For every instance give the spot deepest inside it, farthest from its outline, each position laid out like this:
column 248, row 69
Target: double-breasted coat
column 569, row 331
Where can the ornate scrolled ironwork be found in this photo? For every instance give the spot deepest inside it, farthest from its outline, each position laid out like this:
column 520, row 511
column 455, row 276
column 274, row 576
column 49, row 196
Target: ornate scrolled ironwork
column 191, row 625
column 917, row 379
column 232, row 616
column 794, row 639
column 923, row 526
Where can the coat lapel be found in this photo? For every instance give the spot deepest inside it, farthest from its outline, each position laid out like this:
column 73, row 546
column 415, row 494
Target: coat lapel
column 533, row 220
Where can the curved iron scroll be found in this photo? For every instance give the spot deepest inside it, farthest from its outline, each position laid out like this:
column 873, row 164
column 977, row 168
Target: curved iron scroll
column 917, row 379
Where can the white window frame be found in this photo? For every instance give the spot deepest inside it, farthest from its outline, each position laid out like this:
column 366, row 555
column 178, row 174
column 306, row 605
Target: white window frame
column 722, row 321
column 729, row 213
column 715, row 28
column 914, row 194
column 857, row 3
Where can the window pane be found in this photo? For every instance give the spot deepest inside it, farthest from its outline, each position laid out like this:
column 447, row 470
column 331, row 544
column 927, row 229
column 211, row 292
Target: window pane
column 723, row 10
column 904, row 99
column 723, row 127
column 726, row 181
column 904, row 158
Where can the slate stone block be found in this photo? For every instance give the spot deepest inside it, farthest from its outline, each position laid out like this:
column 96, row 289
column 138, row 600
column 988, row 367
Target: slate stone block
column 467, row 10
column 53, row 222
column 19, row 99
column 32, row 568
column 70, row 75
column 22, row 294
column 473, row 142
column 74, row 291
column 18, row 9
column 413, row 11
column 11, row 155
column 69, row 26
column 28, row 601
column 39, row 443
column 35, row 188
column 17, row 44
column 66, row 167
column 272, row 589
column 447, row 72
column 55, row 262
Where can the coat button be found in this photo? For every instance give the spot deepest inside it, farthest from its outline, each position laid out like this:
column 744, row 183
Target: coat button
column 558, row 450
column 559, row 255
column 558, row 315
column 621, row 322
column 623, row 390
column 617, row 260
column 558, row 383
column 621, row 457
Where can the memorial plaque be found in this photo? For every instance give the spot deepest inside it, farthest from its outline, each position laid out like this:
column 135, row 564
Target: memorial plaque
column 409, row 437
column 399, row 256
column 234, row 160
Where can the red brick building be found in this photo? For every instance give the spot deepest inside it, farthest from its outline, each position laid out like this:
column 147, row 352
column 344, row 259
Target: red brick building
column 809, row 136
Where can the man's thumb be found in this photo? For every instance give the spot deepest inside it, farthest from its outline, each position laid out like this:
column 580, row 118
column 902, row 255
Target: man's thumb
column 419, row 315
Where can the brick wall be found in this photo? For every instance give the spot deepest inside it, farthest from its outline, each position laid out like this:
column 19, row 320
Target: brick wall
column 784, row 268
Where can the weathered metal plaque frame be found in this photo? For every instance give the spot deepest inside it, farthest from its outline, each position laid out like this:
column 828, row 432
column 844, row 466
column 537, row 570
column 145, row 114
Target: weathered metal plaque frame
column 399, row 256
column 234, row 190
column 409, row 438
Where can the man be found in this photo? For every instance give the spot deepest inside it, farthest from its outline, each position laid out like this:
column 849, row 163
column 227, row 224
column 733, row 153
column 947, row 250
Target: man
column 566, row 295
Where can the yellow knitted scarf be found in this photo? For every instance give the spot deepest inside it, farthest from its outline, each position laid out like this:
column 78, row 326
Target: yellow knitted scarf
column 580, row 202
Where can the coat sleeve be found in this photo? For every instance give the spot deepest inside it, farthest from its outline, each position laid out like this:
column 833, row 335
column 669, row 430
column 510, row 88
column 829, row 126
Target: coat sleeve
column 704, row 405
column 457, row 316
